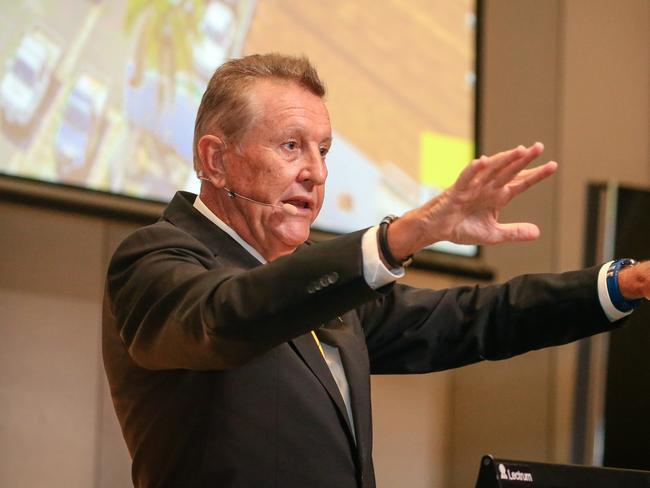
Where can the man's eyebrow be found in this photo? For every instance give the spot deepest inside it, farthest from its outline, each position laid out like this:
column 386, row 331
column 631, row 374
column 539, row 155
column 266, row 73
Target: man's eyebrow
column 299, row 129
column 293, row 129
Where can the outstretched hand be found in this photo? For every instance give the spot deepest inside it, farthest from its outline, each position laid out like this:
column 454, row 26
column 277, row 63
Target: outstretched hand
column 634, row 282
column 468, row 211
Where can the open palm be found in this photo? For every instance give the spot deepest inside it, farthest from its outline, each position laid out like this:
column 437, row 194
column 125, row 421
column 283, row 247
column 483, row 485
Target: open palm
column 468, row 212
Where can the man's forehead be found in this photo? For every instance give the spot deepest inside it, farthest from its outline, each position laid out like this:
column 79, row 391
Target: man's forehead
column 274, row 98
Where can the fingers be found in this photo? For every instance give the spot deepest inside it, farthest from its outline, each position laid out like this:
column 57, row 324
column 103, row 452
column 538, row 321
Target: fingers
column 508, row 171
column 501, row 160
column 469, row 173
column 529, row 177
column 501, row 167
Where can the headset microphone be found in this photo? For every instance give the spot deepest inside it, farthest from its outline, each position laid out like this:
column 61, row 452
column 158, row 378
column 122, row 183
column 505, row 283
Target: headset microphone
column 285, row 207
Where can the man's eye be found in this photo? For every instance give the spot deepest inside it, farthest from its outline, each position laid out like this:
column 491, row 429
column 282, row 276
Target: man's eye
column 291, row 145
column 324, row 151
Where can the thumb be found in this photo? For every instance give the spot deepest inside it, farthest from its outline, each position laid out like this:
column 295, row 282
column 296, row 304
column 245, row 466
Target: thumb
column 521, row 231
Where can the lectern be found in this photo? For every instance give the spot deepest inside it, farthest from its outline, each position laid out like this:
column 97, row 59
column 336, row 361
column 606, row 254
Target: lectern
column 506, row 473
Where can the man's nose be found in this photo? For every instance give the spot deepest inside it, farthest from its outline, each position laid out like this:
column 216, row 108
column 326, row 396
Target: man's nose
column 315, row 169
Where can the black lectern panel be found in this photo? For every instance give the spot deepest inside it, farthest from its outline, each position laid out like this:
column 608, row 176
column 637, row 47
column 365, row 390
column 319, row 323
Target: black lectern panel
column 504, row 473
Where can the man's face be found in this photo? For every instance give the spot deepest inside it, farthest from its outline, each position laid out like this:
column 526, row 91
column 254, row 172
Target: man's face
column 280, row 159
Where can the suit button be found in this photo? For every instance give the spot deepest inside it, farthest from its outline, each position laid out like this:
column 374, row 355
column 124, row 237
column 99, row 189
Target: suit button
column 317, row 286
column 311, row 288
column 333, row 278
column 324, row 281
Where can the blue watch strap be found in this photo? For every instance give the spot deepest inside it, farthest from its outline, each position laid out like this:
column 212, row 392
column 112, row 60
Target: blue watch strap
column 618, row 300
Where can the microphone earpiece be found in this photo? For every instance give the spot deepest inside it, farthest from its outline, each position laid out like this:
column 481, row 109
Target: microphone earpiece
column 289, row 209
column 285, row 207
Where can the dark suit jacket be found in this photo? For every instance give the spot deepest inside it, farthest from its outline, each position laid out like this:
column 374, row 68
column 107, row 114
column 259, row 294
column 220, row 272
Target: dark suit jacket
column 217, row 382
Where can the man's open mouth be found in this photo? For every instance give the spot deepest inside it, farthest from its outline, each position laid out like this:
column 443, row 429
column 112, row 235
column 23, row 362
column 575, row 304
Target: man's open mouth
column 298, row 202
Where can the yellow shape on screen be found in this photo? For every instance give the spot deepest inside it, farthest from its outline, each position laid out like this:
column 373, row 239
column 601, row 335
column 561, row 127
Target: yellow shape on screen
column 442, row 158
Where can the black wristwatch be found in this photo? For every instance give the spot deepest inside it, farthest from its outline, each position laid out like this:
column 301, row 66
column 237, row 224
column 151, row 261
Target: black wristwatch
column 382, row 238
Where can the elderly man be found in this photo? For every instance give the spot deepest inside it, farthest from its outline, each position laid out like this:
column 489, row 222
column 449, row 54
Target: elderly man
column 239, row 356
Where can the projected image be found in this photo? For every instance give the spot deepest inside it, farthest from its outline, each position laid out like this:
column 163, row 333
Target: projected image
column 103, row 94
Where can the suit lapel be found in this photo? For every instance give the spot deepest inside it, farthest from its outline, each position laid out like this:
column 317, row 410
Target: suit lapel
column 308, row 351
column 355, row 363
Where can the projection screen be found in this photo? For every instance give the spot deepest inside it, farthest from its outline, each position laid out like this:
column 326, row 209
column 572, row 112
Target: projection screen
column 103, row 94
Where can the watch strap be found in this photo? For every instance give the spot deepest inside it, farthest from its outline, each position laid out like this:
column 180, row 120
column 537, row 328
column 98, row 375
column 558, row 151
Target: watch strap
column 618, row 300
column 382, row 238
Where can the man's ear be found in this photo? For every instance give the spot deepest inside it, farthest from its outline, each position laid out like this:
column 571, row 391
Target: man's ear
column 211, row 150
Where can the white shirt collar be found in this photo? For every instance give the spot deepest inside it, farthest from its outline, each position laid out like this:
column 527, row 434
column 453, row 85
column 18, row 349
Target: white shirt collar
column 203, row 208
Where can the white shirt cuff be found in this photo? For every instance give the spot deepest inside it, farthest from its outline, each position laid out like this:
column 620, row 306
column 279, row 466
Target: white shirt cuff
column 375, row 272
column 613, row 313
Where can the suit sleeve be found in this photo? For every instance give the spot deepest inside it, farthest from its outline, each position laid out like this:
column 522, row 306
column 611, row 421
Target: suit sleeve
column 174, row 306
column 415, row 330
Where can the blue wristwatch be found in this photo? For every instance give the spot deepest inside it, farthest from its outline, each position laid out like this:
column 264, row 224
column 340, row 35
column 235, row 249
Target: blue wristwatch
column 618, row 300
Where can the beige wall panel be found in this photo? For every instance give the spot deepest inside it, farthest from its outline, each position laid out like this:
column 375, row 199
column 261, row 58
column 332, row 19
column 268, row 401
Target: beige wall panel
column 411, row 424
column 562, row 383
column 519, row 106
column 42, row 248
column 48, row 391
column 606, row 99
column 49, row 347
